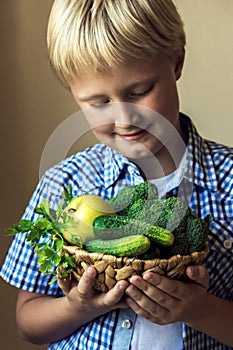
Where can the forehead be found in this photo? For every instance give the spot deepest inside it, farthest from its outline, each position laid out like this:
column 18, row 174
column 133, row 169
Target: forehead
column 125, row 75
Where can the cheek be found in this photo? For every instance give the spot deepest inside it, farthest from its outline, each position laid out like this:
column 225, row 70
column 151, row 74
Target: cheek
column 165, row 100
column 102, row 132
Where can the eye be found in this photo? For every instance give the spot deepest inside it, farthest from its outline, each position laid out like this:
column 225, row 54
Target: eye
column 100, row 105
column 138, row 94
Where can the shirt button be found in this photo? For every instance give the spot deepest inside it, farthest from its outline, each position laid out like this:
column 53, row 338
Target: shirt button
column 227, row 244
column 126, row 324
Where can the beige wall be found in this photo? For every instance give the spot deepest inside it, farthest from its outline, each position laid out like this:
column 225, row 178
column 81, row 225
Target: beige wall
column 206, row 88
column 33, row 104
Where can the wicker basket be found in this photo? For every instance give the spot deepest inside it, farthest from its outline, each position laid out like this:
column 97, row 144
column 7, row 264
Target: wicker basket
column 111, row 269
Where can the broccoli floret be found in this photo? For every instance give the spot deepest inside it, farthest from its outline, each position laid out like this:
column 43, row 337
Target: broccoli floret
column 168, row 213
column 122, row 200
column 191, row 238
column 131, row 200
column 152, row 211
column 180, row 245
column 197, row 232
column 152, row 253
column 152, row 192
column 175, row 213
column 137, row 209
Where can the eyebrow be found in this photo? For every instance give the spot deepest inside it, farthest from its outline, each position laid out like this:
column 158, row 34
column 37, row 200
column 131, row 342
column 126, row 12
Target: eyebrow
column 89, row 98
column 132, row 86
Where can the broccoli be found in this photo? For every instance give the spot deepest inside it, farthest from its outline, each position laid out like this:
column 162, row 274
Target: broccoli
column 152, row 253
column 191, row 238
column 152, row 212
column 197, row 233
column 168, row 213
column 131, row 200
column 141, row 202
column 180, row 245
column 137, row 208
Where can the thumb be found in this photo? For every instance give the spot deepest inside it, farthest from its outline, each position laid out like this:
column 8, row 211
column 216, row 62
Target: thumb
column 198, row 274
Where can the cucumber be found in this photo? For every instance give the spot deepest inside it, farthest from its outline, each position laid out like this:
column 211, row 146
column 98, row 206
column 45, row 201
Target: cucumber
column 160, row 235
column 152, row 253
column 116, row 226
column 125, row 246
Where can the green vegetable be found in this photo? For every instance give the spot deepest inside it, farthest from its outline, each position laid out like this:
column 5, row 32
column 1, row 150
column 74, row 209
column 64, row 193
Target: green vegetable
column 171, row 214
column 114, row 226
column 152, row 253
column 197, row 232
column 190, row 236
column 137, row 208
column 126, row 246
column 180, row 246
column 123, row 201
column 44, row 236
column 167, row 213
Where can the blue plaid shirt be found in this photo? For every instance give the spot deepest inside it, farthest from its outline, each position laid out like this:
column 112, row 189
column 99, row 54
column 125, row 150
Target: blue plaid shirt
column 100, row 170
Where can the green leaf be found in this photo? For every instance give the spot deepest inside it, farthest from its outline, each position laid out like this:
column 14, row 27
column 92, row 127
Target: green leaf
column 56, row 259
column 58, row 245
column 38, row 246
column 33, row 236
column 48, row 227
column 53, row 280
column 45, row 267
column 20, row 227
column 67, row 194
column 44, row 210
column 68, row 261
column 43, row 224
column 59, row 210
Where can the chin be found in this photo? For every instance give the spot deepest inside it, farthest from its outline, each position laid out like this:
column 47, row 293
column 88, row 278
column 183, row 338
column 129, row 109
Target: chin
column 134, row 150
column 139, row 153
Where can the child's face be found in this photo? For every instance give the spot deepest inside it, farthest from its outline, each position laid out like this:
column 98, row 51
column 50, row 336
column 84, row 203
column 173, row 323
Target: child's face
column 119, row 105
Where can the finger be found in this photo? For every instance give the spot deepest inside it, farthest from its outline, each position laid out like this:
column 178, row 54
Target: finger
column 87, row 280
column 198, row 274
column 65, row 283
column 115, row 295
column 153, row 312
column 155, row 294
column 173, row 288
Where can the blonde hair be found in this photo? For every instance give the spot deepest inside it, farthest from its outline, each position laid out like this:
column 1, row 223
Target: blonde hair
column 89, row 36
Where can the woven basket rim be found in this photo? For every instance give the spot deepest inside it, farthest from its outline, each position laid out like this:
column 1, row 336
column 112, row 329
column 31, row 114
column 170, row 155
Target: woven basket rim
column 75, row 250
column 111, row 269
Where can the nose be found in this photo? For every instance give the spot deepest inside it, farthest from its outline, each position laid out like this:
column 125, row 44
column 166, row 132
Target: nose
column 124, row 114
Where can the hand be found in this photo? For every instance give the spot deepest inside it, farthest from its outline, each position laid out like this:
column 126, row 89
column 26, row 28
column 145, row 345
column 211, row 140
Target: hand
column 162, row 300
column 81, row 297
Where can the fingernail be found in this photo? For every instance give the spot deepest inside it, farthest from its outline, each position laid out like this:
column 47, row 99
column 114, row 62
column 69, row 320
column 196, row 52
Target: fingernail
column 193, row 271
column 90, row 272
column 121, row 287
column 152, row 278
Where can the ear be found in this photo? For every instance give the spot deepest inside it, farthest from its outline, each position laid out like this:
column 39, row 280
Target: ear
column 179, row 62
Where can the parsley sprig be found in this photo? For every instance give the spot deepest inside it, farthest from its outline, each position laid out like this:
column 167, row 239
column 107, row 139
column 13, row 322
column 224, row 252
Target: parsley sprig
column 44, row 235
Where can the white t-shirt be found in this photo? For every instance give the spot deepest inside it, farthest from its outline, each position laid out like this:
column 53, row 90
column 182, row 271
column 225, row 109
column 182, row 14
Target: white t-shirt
column 148, row 335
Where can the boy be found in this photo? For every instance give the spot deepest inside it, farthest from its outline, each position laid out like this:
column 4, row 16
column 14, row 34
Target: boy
column 121, row 60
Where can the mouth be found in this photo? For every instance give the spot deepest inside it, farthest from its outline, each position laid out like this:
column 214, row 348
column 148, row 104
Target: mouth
column 133, row 136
